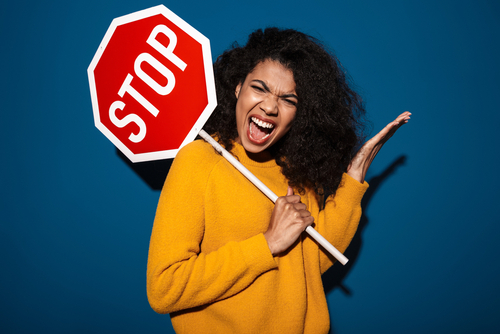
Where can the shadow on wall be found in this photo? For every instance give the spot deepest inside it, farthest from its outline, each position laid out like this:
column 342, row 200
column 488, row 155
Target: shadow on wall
column 334, row 278
column 153, row 173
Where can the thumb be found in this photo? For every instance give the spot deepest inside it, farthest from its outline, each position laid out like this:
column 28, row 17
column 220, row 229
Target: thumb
column 289, row 191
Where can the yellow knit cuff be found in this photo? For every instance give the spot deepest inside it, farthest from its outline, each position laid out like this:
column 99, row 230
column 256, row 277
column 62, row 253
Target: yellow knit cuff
column 352, row 189
column 257, row 255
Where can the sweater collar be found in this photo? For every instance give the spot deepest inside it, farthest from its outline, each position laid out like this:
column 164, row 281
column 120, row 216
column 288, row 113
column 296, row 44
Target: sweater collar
column 240, row 152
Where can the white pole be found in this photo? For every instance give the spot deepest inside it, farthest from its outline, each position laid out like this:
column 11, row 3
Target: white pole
column 272, row 196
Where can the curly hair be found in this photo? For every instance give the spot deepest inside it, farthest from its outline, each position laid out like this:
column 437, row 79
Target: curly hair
column 328, row 126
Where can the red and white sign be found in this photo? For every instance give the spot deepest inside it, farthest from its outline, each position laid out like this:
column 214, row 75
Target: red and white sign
column 151, row 83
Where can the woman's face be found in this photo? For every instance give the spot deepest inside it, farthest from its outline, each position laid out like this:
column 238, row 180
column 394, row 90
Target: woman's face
column 266, row 106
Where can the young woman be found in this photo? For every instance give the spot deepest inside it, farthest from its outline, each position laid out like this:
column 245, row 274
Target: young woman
column 223, row 258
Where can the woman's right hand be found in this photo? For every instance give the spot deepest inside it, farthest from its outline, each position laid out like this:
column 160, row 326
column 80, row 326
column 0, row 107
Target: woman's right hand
column 289, row 219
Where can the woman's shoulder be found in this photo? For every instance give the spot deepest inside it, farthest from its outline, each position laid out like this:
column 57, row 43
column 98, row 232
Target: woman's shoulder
column 198, row 152
column 194, row 162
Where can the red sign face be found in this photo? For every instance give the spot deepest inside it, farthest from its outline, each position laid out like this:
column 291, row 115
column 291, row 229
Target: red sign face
column 151, row 83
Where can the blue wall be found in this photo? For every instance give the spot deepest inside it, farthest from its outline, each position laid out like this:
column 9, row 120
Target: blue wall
column 76, row 219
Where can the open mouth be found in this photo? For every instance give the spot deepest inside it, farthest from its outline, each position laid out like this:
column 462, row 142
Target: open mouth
column 259, row 131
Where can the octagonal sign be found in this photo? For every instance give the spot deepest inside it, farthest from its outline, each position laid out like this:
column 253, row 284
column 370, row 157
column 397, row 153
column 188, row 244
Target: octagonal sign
column 151, row 84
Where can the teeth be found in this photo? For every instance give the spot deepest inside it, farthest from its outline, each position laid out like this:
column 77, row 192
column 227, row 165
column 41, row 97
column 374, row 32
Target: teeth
column 262, row 124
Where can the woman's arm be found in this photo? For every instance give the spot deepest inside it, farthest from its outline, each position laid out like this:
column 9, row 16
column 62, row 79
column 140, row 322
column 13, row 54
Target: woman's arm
column 339, row 220
column 179, row 275
column 361, row 162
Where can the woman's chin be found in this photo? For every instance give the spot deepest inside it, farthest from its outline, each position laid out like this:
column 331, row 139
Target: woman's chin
column 256, row 146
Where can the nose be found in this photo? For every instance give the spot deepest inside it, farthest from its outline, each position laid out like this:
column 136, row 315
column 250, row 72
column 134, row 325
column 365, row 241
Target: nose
column 269, row 105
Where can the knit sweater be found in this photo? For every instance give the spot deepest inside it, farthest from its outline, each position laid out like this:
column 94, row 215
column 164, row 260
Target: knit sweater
column 209, row 264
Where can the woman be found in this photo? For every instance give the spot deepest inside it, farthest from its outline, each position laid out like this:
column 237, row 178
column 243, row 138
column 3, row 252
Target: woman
column 223, row 258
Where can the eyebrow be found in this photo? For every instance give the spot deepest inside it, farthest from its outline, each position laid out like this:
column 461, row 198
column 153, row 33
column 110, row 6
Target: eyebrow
column 266, row 88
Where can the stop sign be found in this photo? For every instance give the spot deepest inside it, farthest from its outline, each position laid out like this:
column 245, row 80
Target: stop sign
column 151, row 84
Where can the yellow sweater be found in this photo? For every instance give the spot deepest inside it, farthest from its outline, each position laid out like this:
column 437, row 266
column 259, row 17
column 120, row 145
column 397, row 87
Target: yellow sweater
column 209, row 264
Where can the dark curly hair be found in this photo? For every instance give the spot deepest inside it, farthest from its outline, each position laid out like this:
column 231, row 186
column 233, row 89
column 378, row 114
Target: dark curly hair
column 328, row 126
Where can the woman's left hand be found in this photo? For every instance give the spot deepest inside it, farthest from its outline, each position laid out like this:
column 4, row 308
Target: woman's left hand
column 361, row 162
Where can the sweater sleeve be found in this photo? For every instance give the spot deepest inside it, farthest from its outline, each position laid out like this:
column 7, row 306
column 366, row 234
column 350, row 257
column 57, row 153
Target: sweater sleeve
column 339, row 220
column 179, row 275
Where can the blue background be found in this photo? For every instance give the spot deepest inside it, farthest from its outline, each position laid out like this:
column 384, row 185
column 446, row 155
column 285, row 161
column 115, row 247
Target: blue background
column 76, row 219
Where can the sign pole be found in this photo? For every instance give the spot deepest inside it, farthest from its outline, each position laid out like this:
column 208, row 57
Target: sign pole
column 272, row 196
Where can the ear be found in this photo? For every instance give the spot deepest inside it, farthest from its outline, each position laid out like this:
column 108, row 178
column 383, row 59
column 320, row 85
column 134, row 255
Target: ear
column 237, row 91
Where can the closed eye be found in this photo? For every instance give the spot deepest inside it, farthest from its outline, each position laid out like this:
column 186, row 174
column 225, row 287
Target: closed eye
column 290, row 99
column 258, row 88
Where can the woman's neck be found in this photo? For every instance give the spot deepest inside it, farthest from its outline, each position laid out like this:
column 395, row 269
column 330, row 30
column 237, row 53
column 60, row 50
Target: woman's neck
column 263, row 156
